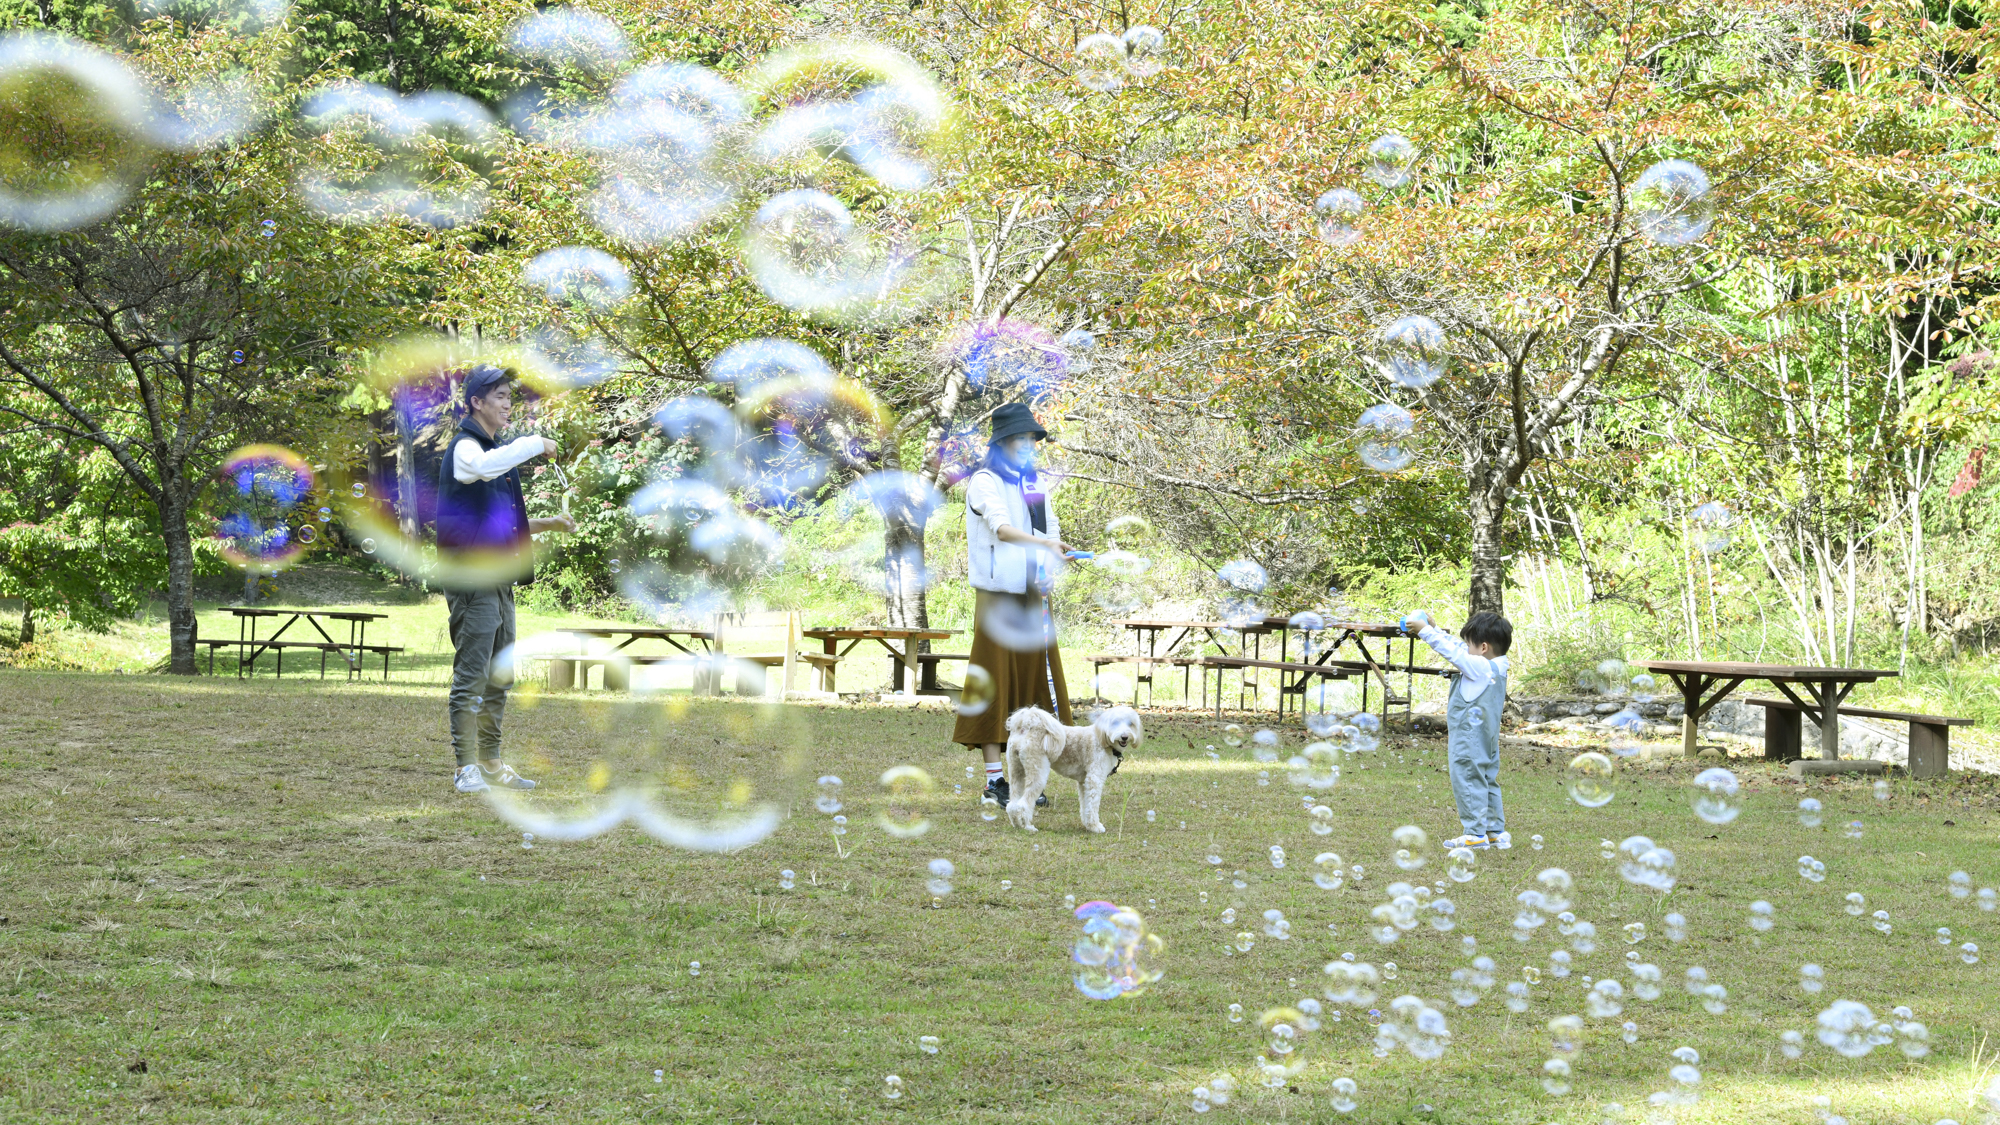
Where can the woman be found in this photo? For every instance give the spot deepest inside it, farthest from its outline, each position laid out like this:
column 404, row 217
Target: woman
column 1014, row 546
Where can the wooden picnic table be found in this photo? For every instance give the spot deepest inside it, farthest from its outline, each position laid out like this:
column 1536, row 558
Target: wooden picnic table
column 1824, row 687
column 249, row 647
column 564, row 673
column 905, row 659
column 1249, row 654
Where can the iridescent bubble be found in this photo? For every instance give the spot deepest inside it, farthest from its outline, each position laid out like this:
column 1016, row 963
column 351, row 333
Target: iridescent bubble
column 1959, row 884
column 1337, row 217
column 1462, row 865
column 1847, row 1027
column 1592, row 780
column 1382, row 438
column 1852, row 830
column 1809, row 812
column 1969, row 953
column 1812, row 979
column 71, row 118
column 1243, row 575
column 1812, row 870
column 1412, row 352
column 1715, row 796
column 1713, row 524
column 907, row 789
column 1100, row 63
column 1284, row 1050
column 579, row 274
column 1321, row 820
column 806, row 252
column 263, row 485
column 786, row 879
column 1316, row 767
column 1671, row 203
column 978, row 692
column 1392, row 160
column 892, row 1087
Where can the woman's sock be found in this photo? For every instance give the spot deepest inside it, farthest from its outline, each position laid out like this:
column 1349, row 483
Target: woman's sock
column 993, row 772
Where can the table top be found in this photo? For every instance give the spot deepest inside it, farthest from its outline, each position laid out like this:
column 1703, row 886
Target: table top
column 337, row 615
column 1787, row 673
column 1170, row 624
column 640, row 631
column 883, row 633
column 1271, row 624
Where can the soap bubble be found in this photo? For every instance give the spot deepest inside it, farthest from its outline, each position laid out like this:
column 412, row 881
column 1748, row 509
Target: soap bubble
column 1100, row 63
column 1960, row 885
column 1812, row 870
column 1792, row 1044
column 1592, row 780
column 785, row 879
column 1116, row 955
column 1671, row 203
column 978, row 692
column 1328, row 872
column 908, row 789
column 1412, row 352
column 1284, row 1045
column 1351, row 983
column 1882, row 921
column 699, row 775
column 378, row 155
column 1391, row 160
column 806, row 252
column 1411, row 846
column 1847, row 1027
column 1535, row 841
column 1969, row 953
column 1809, row 810
column 1382, row 438
column 1321, row 820
column 1812, row 979
column 1987, row 898
column 1762, row 916
column 1857, row 904
column 579, row 274
column 262, row 486
column 892, row 1087
column 569, row 36
column 1462, row 865
column 1317, row 766
column 1336, row 216
column 1713, row 521
column 989, row 809
column 1852, row 830
column 74, row 114
column 828, row 800
column 1243, row 575
column 1715, row 796
column 1343, row 1095
column 1145, row 49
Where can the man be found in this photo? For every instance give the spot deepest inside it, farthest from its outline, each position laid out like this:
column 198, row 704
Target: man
column 484, row 545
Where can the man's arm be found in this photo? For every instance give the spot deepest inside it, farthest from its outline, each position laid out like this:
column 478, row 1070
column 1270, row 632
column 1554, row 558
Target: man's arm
column 553, row 523
column 470, row 463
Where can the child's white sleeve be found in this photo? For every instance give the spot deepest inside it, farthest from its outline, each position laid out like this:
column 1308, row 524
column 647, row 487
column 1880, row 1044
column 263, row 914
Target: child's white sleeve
column 1478, row 671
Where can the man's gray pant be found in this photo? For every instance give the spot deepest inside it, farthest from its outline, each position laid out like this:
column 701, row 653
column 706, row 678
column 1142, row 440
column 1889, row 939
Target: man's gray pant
column 482, row 627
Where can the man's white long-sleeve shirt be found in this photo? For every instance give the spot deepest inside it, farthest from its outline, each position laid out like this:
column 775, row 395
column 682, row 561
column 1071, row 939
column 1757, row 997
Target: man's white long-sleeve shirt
column 470, row 463
column 1475, row 671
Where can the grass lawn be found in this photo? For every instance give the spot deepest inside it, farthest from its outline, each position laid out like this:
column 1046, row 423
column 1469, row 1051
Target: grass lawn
column 268, row 894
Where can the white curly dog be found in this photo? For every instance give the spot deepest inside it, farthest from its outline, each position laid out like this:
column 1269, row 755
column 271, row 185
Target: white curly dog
column 1038, row 742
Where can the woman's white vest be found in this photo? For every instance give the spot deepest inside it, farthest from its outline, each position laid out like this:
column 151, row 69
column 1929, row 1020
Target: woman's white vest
column 1005, row 567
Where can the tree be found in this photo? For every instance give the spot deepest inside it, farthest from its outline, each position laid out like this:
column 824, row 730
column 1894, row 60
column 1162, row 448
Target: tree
column 205, row 314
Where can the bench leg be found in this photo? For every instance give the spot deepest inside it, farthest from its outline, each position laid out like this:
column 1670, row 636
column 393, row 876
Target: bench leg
column 562, row 674
column 751, row 679
column 1781, row 735
column 617, row 677
column 1930, row 750
column 1687, row 735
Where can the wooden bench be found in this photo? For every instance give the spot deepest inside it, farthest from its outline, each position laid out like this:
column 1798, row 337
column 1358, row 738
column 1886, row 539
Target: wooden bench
column 1331, row 670
column 1930, row 735
column 279, row 647
column 1147, row 663
column 927, row 679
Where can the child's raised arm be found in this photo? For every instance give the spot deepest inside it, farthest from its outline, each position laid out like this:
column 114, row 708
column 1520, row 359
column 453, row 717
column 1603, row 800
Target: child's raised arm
column 1478, row 669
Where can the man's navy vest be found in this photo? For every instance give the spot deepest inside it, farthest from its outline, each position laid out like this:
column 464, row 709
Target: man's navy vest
column 486, row 520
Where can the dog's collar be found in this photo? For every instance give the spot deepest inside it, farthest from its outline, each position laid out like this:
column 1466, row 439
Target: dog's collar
column 1118, row 754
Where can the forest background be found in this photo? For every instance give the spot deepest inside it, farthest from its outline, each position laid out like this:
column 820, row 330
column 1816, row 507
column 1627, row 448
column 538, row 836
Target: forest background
column 1818, row 363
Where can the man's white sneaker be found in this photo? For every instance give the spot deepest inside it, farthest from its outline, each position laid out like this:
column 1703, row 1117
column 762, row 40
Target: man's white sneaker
column 1502, row 840
column 1467, row 842
column 470, row 780
column 506, row 778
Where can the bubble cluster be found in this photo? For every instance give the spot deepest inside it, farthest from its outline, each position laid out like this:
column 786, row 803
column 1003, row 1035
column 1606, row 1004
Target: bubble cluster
column 1416, row 1027
column 1116, row 955
column 1643, row 863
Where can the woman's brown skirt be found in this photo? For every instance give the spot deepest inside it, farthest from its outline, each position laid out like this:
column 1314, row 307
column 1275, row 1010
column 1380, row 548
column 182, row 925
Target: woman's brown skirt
column 1020, row 679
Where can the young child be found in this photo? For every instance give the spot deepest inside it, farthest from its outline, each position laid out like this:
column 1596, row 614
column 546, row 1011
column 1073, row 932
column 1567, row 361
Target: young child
column 1472, row 721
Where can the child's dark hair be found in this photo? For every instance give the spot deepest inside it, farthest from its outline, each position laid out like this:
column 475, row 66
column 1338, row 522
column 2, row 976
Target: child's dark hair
column 1488, row 628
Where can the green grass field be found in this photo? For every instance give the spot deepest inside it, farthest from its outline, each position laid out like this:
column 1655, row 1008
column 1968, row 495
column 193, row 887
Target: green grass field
column 268, row 894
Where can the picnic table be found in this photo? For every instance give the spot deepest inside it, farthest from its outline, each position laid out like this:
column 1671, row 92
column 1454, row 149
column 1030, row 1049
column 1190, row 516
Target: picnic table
column 1704, row 683
column 907, row 659
column 1249, row 656
column 249, row 647
column 563, row 670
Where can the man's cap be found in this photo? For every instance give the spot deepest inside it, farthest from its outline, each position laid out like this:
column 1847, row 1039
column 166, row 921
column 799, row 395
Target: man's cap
column 480, row 381
column 1016, row 418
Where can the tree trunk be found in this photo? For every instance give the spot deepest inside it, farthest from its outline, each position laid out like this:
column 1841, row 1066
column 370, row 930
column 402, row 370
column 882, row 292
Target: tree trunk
column 905, row 570
column 1487, row 509
column 180, row 588
column 27, row 623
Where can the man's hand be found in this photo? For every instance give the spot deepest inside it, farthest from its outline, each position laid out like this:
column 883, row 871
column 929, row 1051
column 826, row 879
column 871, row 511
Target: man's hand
column 550, row 448
column 553, row 523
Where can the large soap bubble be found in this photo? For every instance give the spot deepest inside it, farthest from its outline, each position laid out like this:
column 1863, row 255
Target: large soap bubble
column 712, row 776
column 1382, row 436
column 1671, row 203
column 264, row 487
column 1116, row 955
column 376, row 155
column 71, row 119
column 1412, row 352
